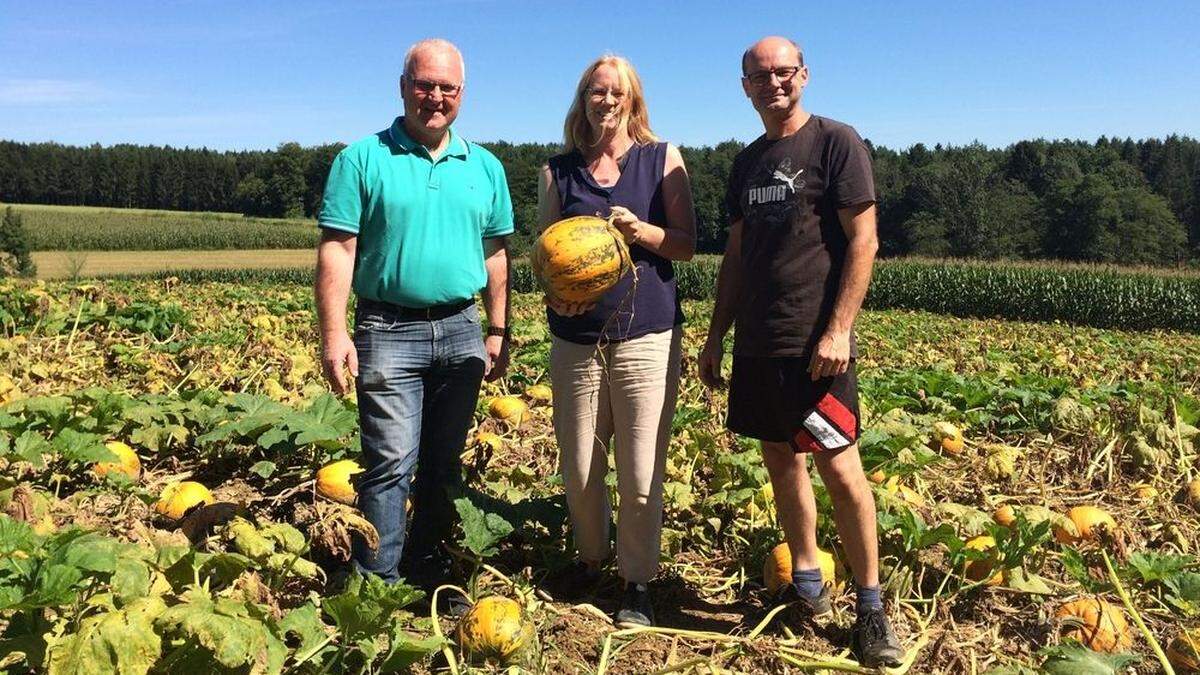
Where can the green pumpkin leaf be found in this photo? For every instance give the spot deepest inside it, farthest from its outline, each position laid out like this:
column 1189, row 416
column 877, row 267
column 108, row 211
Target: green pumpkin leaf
column 121, row 642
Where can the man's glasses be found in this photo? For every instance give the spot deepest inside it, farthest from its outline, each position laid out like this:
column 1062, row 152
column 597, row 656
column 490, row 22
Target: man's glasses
column 426, row 87
column 761, row 78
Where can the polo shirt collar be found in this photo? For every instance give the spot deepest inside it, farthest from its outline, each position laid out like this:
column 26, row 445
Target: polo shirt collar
column 456, row 148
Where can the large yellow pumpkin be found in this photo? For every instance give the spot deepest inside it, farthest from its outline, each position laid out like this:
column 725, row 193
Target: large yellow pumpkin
column 1184, row 652
column 494, row 628
column 510, row 409
column 1089, row 521
column 127, row 461
column 1103, row 627
column 578, row 259
column 333, row 481
column 777, row 568
column 979, row 570
column 179, row 498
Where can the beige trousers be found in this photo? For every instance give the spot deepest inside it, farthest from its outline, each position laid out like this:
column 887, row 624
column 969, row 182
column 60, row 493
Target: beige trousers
column 624, row 391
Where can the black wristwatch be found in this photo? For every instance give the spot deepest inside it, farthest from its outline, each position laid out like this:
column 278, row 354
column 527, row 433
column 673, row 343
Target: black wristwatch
column 497, row 331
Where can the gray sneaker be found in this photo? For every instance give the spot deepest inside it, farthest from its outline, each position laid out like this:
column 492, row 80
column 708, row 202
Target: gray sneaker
column 809, row 608
column 636, row 608
column 874, row 642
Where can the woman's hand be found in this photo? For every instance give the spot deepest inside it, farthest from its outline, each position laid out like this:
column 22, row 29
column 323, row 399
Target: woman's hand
column 564, row 308
column 627, row 223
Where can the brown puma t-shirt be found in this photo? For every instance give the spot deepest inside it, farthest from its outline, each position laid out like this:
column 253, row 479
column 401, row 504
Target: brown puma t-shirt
column 787, row 192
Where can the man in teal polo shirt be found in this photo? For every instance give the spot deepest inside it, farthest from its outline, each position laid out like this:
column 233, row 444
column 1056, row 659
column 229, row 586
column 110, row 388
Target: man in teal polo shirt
column 414, row 219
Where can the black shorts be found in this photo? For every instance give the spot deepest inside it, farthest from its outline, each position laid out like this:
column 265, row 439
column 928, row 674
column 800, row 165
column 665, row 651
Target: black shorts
column 775, row 399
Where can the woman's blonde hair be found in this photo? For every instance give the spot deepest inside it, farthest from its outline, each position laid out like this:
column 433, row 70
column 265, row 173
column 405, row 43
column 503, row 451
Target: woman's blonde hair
column 577, row 131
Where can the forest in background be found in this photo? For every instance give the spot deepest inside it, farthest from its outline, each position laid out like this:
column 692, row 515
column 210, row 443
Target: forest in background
column 1113, row 200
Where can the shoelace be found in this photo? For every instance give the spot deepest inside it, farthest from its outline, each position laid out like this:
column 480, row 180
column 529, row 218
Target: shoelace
column 875, row 627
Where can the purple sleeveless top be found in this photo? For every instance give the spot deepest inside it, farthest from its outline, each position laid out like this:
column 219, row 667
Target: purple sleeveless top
column 621, row 314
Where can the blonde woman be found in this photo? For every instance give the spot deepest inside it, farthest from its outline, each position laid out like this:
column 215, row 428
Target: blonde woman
column 614, row 365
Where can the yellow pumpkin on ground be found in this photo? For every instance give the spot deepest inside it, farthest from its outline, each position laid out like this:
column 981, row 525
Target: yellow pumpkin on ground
column 978, row 570
column 1145, row 491
column 1102, row 627
column 492, row 441
column 578, row 259
column 777, row 568
column 494, row 628
column 127, row 461
column 1089, row 522
column 949, row 438
column 179, row 498
column 1193, row 494
column 540, row 393
column 334, row 482
column 1005, row 515
column 877, row 477
column 510, row 409
column 1184, row 652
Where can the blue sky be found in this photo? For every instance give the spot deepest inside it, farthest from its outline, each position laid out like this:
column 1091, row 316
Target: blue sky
column 233, row 75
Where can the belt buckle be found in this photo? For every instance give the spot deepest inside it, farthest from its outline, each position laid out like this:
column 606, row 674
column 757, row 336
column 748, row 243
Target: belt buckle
column 429, row 313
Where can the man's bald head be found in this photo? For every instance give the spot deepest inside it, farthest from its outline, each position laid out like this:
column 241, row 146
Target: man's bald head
column 768, row 46
column 434, row 48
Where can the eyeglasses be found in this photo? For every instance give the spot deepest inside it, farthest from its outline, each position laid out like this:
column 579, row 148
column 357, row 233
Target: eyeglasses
column 426, row 87
column 761, row 78
column 599, row 94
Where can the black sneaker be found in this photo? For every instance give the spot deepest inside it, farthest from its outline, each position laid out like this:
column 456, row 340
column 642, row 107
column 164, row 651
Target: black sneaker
column 874, row 642
column 811, row 608
column 574, row 582
column 427, row 574
column 453, row 604
column 636, row 609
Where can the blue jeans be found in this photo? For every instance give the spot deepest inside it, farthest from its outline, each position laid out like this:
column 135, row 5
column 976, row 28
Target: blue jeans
column 417, row 386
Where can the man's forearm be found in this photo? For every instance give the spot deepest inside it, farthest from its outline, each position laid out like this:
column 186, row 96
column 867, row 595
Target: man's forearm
column 856, row 278
column 496, row 292
column 728, row 284
column 335, row 267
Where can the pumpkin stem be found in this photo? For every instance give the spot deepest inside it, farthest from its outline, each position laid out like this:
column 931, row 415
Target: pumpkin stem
column 1137, row 618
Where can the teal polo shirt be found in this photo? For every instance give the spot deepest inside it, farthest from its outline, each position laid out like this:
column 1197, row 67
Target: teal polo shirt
column 420, row 222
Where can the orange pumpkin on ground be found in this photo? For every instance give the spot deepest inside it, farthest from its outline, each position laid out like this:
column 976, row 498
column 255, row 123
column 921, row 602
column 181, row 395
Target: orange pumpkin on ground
column 1089, row 522
column 1102, row 627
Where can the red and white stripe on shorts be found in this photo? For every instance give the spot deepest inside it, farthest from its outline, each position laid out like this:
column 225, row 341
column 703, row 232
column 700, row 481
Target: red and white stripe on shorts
column 830, row 425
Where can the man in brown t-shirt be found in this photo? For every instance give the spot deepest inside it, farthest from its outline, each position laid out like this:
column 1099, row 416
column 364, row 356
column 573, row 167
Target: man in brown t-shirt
column 802, row 241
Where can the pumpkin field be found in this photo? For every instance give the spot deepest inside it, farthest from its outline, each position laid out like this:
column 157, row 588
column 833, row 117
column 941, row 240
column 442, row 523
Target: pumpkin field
column 1037, row 485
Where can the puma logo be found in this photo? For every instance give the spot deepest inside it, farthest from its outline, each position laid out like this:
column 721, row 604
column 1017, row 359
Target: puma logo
column 791, row 182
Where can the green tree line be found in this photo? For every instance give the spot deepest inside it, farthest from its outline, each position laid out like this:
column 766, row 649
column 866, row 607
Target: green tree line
column 1112, row 200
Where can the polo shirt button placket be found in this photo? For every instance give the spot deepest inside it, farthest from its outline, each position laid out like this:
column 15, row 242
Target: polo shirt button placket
column 433, row 183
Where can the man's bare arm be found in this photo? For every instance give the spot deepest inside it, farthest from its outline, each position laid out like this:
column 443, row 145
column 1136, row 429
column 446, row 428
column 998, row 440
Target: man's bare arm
column 495, row 303
column 335, row 270
column 832, row 355
column 729, row 283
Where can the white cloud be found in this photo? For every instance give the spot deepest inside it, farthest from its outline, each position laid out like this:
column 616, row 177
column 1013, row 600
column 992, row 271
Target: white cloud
column 47, row 91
